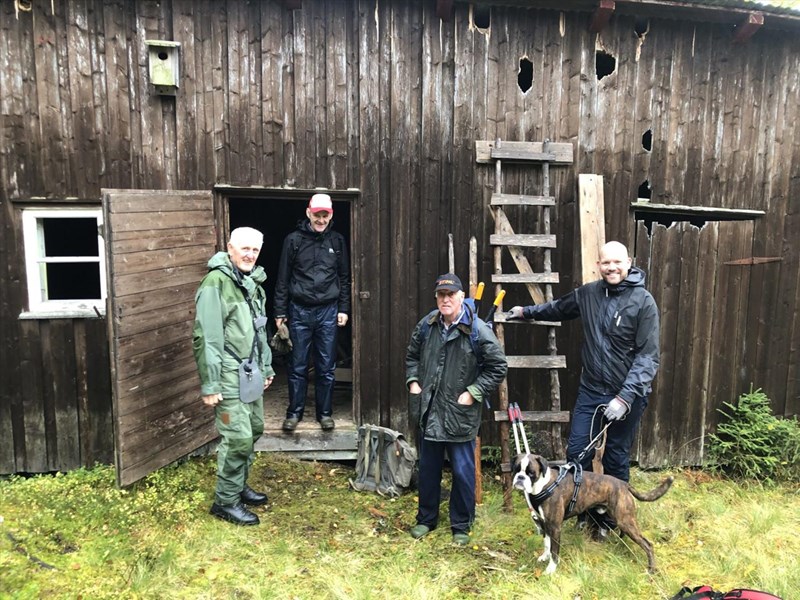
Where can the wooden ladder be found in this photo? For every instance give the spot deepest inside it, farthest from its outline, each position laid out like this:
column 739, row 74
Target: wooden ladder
column 541, row 154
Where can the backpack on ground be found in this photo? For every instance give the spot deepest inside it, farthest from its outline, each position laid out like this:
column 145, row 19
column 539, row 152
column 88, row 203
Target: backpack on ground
column 385, row 463
column 704, row 591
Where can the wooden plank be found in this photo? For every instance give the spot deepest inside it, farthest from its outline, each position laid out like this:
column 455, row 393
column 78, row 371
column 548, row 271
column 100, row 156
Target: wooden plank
column 61, row 409
column 685, row 434
column 136, row 283
column 272, row 59
column 537, row 362
column 592, row 224
column 526, row 240
column 663, row 268
column 96, row 424
column 525, row 278
column 692, row 450
column 157, row 220
column 31, row 449
column 149, row 201
column 164, row 258
column 521, row 200
column 134, row 241
column 160, row 317
column 179, row 331
column 545, row 416
column 707, row 212
column 155, row 300
column 165, row 357
column 561, row 152
column 140, row 392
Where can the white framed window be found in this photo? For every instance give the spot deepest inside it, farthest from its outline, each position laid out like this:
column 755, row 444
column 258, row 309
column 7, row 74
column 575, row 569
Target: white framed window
column 64, row 262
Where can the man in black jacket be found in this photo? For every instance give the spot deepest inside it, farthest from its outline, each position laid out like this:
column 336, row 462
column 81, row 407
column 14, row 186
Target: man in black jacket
column 313, row 293
column 453, row 364
column 620, row 356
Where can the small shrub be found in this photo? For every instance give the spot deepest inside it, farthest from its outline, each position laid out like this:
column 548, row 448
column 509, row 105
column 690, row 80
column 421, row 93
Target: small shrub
column 752, row 443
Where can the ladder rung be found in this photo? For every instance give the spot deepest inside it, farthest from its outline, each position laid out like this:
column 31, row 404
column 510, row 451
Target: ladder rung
column 501, row 318
column 525, row 278
column 537, row 362
column 518, row 200
column 520, row 154
column 549, row 416
column 527, row 240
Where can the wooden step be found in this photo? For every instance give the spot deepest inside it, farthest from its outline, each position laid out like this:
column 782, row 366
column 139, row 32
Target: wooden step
column 501, row 318
column 537, row 362
column 519, row 200
column 546, row 416
column 527, row 240
column 525, row 278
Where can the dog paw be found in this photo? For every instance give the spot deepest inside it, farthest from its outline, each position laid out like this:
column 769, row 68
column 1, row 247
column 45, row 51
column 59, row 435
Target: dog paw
column 543, row 557
column 551, row 568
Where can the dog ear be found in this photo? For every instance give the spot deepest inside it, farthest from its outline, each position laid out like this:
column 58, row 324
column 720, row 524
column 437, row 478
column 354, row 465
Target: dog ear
column 515, row 460
column 543, row 463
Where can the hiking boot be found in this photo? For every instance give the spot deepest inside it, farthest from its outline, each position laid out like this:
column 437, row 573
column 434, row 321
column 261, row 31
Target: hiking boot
column 235, row 513
column 461, row 538
column 419, row 530
column 252, row 497
column 327, row 423
column 290, row 424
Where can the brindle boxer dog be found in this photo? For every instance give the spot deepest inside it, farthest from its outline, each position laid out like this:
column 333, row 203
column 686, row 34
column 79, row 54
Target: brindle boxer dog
column 532, row 474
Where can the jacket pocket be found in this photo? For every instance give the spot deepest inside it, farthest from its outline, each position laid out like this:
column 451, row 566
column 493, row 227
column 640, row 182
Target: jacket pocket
column 460, row 420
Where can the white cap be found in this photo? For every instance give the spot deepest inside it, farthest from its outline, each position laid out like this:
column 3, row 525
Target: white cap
column 320, row 202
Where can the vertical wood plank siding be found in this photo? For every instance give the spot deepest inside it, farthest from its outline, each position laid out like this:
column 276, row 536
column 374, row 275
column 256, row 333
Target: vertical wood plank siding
column 385, row 97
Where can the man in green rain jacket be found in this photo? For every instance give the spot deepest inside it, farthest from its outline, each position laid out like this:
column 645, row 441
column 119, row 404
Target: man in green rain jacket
column 230, row 327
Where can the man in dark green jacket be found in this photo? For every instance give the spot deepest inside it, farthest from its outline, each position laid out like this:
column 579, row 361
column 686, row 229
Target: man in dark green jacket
column 229, row 328
column 454, row 362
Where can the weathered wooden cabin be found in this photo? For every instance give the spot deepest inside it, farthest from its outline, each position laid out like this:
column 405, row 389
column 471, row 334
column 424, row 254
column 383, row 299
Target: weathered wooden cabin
column 135, row 134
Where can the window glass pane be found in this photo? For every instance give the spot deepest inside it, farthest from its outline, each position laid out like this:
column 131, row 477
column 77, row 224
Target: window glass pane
column 73, row 281
column 70, row 237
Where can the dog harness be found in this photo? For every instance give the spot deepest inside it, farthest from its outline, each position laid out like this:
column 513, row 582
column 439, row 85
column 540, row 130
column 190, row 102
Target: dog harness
column 535, row 500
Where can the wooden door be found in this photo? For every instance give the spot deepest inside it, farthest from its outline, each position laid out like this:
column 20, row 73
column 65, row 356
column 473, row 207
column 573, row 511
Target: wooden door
column 157, row 246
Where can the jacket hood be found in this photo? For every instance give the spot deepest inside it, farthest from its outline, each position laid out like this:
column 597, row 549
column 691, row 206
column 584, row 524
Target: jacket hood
column 222, row 262
column 635, row 278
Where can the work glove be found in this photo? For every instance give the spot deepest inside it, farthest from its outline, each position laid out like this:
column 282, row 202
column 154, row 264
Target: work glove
column 515, row 313
column 281, row 342
column 616, row 409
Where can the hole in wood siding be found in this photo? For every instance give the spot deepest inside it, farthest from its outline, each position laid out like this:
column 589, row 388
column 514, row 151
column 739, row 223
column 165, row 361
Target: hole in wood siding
column 641, row 27
column 481, row 16
column 645, row 191
column 525, row 75
column 604, row 64
column 647, row 140
column 648, row 217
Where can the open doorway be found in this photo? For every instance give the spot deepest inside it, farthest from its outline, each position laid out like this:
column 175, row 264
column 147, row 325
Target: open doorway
column 276, row 214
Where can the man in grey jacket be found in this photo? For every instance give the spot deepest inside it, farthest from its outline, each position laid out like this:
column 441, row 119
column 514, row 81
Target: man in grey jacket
column 453, row 363
column 620, row 357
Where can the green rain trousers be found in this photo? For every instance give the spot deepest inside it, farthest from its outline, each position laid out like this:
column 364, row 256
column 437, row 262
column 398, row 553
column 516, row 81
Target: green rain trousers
column 239, row 426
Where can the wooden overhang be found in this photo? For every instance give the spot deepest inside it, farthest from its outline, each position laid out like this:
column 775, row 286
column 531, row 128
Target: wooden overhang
column 774, row 17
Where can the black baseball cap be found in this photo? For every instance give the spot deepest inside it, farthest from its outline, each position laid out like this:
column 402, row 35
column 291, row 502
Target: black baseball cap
column 449, row 282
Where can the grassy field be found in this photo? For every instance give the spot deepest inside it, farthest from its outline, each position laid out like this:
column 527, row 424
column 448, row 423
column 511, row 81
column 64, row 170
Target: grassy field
column 77, row 536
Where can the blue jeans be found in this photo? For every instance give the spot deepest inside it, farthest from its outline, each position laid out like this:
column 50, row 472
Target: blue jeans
column 309, row 324
column 616, row 458
column 462, row 496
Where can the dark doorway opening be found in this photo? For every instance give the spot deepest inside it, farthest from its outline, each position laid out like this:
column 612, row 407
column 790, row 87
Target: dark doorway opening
column 276, row 214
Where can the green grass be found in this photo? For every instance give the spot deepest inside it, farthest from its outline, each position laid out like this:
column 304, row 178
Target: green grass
column 77, row 536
